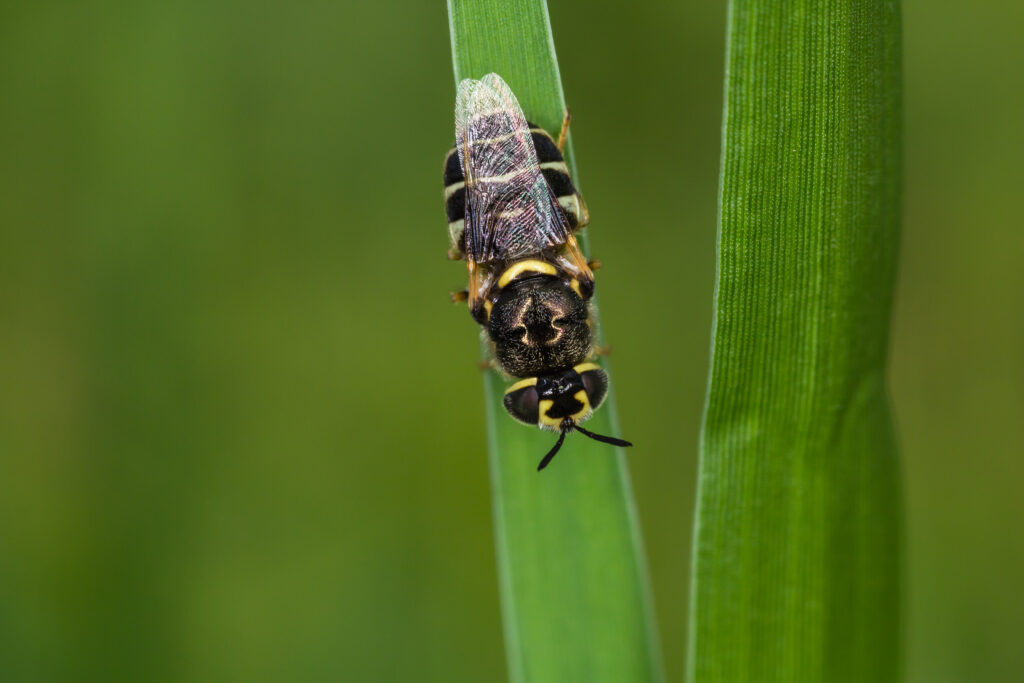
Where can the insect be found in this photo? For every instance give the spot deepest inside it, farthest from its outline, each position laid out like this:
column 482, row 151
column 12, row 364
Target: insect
column 512, row 214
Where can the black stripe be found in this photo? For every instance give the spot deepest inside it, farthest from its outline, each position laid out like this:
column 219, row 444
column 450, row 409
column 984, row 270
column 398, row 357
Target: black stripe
column 546, row 148
column 452, row 168
column 573, row 219
column 456, row 205
column 559, row 181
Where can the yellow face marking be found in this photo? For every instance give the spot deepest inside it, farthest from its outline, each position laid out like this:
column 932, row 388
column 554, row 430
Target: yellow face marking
column 575, row 284
column 546, row 404
column 584, row 367
column 581, row 396
column 487, row 307
column 527, row 266
column 545, row 421
column 522, row 384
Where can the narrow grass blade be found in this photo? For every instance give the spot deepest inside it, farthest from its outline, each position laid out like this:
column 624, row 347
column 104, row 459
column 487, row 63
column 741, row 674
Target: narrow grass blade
column 797, row 540
column 574, row 588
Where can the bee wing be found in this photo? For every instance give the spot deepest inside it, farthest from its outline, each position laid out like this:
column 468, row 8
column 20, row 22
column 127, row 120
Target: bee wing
column 510, row 209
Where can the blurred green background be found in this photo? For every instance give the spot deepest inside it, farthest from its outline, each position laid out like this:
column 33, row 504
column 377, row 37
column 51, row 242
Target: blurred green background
column 241, row 431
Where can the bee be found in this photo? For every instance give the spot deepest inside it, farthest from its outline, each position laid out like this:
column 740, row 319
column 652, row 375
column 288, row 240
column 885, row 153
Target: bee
column 512, row 214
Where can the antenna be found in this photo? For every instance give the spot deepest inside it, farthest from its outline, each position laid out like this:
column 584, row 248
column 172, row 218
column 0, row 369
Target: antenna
column 551, row 453
column 567, row 426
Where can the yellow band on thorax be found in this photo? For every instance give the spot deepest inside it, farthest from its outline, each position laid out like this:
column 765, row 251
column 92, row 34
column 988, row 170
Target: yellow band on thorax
column 584, row 367
column 527, row 266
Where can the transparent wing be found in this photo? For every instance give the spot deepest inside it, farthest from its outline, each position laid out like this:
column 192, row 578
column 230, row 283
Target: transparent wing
column 510, row 209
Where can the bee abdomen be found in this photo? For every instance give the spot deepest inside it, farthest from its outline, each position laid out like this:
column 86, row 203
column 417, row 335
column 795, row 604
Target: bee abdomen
column 455, row 200
column 555, row 171
column 552, row 165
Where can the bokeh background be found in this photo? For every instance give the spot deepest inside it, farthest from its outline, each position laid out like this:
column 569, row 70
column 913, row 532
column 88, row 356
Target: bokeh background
column 241, row 432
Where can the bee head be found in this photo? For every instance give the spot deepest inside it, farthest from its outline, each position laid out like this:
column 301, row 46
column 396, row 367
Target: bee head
column 560, row 401
column 546, row 400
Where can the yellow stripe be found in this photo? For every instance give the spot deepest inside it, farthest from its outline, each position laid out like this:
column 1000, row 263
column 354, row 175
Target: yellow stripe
column 455, row 229
column 520, row 267
column 570, row 203
column 557, row 165
column 504, row 177
column 451, row 189
column 584, row 367
column 512, row 213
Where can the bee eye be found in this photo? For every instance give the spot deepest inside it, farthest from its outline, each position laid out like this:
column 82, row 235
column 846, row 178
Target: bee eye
column 522, row 401
column 595, row 382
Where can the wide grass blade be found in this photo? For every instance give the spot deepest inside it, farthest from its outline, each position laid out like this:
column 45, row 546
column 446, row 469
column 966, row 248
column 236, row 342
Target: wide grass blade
column 574, row 588
column 798, row 530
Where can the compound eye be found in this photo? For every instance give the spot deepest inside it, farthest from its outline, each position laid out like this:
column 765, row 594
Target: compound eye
column 595, row 382
column 522, row 401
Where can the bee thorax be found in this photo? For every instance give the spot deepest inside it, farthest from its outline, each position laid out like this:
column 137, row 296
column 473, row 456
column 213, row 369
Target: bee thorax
column 539, row 324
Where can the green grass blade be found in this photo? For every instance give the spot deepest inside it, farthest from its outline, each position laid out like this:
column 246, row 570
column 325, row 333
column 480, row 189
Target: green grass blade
column 797, row 540
column 574, row 588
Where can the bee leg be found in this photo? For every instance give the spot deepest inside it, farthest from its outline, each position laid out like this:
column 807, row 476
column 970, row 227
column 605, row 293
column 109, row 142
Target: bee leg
column 486, row 365
column 602, row 351
column 459, row 297
column 594, row 264
column 563, row 135
column 454, row 254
